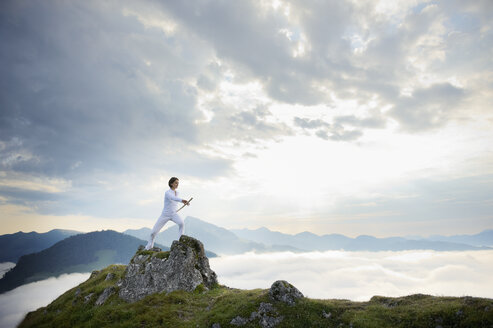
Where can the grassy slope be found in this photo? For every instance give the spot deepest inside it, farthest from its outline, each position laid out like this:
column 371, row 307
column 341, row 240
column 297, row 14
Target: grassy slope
column 221, row 304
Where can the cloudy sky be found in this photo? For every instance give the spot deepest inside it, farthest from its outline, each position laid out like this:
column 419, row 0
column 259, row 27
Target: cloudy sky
column 355, row 117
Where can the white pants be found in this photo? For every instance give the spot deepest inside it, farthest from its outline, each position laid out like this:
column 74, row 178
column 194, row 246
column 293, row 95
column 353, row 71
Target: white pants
column 161, row 221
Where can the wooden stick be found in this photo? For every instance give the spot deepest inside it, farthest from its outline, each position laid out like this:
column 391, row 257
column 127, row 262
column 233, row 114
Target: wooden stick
column 184, row 204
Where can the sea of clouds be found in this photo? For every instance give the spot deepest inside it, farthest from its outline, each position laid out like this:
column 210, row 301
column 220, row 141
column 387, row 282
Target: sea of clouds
column 355, row 276
column 360, row 275
column 15, row 304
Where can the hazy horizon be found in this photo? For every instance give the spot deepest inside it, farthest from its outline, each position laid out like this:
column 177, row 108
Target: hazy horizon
column 170, row 225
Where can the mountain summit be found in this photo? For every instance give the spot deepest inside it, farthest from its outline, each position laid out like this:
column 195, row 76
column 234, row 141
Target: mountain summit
column 184, row 267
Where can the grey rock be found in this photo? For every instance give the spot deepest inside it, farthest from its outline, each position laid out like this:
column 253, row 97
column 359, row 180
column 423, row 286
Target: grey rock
column 239, row 321
column 265, row 320
column 261, row 314
column 184, row 267
column 109, row 276
column 104, row 295
column 283, row 291
column 216, row 325
column 269, row 322
column 266, row 308
column 326, row 315
column 77, row 292
column 94, row 273
column 254, row 315
column 88, row 297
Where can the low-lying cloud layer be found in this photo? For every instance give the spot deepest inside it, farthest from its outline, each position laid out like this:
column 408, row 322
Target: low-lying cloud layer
column 360, row 275
column 4, row 267
column 15, row 304
column 325, row 275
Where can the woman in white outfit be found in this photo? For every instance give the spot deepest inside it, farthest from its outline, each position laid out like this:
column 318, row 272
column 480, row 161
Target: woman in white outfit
column 171, row 199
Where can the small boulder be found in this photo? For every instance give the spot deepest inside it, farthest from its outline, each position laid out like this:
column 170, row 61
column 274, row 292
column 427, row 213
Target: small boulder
column 239, row 321
column 88, row 297
column 109, row 276
column 267, row 316
column 105, row 295
column 94, row 273
column 283, row 291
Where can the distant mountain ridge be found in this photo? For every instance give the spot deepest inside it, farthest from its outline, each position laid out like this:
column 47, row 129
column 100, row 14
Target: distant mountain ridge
column 312, row 242
column 13, row 246
column 484, row 238
column 215, row 238
column 236, row 241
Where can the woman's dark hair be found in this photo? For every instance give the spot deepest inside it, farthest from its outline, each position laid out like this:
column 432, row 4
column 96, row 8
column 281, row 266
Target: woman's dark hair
column 170, row 182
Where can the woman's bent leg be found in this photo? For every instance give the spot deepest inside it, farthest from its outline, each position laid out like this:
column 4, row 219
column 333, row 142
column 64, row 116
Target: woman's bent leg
column 161, row 221
column 181, row 225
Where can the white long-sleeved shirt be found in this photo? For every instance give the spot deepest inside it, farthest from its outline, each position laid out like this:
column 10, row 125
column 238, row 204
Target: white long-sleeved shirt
column 170, row 201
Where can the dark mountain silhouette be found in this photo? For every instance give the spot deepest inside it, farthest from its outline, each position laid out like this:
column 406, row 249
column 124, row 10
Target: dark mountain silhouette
column 13, row 246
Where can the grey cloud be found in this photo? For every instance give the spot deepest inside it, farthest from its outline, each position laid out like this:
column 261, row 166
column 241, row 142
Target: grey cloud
column 339, row 135
column 427, row 108
column 336, row 131
column 376, row 121
column 205, row 83
column 310, row 124
column 249, row 155
column 346, row 135
column 322, row 134
column 242, row 125
column 25, row 197
column 209, row 79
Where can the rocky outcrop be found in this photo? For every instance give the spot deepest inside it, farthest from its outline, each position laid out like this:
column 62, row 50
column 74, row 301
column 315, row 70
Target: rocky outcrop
column 184, row 267
column 283, row 291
